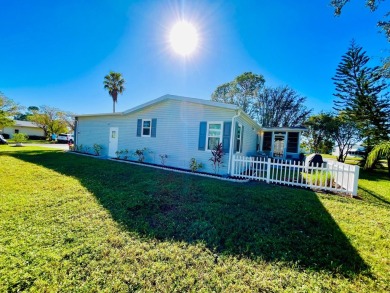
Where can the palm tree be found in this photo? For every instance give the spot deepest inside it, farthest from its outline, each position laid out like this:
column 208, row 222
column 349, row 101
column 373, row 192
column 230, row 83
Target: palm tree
column 380, row 150
column 114, row 83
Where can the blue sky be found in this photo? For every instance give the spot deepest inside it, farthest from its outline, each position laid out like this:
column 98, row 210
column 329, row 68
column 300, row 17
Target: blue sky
column 57, row 53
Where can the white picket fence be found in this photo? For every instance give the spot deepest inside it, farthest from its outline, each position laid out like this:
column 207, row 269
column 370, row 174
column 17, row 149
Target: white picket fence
column 331, row 175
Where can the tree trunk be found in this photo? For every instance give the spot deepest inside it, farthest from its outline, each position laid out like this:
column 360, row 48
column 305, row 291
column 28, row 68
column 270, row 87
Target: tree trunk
column 113, row 106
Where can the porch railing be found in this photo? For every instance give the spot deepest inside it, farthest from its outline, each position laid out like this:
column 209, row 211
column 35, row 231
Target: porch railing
column 331, row 175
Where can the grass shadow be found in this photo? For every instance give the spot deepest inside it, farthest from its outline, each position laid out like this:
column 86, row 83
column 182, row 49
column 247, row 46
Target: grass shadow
column 376, row 196
column 254, row 220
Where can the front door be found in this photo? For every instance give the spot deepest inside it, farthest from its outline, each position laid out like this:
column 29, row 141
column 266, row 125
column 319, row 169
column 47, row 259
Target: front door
column 279, row 145
column 113, row 141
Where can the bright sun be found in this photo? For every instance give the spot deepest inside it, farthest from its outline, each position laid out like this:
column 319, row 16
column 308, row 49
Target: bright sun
column 184, row 38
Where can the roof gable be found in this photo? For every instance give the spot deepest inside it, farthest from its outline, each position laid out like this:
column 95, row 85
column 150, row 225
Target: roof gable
column 182, row 99
column 21, row 123
column 165, row 98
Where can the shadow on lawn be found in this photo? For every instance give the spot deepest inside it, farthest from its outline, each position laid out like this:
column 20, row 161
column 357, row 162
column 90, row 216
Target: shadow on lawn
column 251, row 220
column 375, row 197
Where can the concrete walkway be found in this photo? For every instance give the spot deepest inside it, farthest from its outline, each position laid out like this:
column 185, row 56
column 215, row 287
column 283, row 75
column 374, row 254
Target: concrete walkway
column 58, row 146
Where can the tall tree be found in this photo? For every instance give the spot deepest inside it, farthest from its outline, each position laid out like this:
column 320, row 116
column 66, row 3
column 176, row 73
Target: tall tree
column 372, row 5
column 68, row 118
column 242, row 91
column 24, row 116
column 345, row 133
column 361, row 96
column 316, row 137
column 115, row 84
column 280, row 107
column 271, row 107
column 50, row 120
column 8, row 109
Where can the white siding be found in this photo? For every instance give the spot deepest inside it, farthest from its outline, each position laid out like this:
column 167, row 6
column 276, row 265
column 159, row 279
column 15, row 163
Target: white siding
column 176, row 136
column 22, row 129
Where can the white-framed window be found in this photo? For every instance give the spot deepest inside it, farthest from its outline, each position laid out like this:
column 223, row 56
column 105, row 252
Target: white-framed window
column 214, row 135
column 146, row 127
column 238, row 139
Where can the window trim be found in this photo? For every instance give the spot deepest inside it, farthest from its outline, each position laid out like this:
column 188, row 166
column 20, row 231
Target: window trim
column 142, row 128
column 207, row 133
column 263, row 141
column 289, row 142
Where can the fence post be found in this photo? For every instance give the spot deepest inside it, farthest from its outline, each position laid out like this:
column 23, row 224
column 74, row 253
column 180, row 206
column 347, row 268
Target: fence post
column 268, row 170
column 355, row 181
column 232, row 170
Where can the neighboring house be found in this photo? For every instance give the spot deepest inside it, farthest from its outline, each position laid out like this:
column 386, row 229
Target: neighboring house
column 26, row 127
column 356, row 151
column 183, row 128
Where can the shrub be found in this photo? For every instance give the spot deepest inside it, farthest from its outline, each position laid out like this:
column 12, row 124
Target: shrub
column 118, row 154
column 125, row 154
column 216, row 158
column 163, row 158
column 318, row 178
column 97, row 148
column 36, row 137
column 194, row 165
column 20, row 137
column 140, row 153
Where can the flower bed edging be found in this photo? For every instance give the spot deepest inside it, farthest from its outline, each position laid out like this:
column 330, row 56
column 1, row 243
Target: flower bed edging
column 84, row 154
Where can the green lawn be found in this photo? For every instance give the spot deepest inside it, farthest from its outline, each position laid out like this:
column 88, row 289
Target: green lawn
column 11, row 141
column 74, row 223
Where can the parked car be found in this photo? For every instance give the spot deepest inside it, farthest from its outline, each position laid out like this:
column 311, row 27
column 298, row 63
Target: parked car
column 64, row 137
column 3, row 140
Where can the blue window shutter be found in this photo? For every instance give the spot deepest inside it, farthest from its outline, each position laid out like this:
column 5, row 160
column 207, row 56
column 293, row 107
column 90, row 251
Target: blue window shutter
column 227, row 127
column 154, row 126
column 202, row 136
column 235, row 138
column 242, row 138
column 139, row 127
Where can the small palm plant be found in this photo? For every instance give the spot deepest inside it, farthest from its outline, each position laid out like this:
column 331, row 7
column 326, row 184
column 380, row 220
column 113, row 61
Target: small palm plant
column 114, row 83
column 380, row 150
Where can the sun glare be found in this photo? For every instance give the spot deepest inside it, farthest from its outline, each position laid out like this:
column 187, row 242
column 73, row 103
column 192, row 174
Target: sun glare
column 184, row 38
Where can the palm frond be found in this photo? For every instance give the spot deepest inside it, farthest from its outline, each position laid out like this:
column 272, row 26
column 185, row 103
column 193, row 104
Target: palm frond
column 380, row 150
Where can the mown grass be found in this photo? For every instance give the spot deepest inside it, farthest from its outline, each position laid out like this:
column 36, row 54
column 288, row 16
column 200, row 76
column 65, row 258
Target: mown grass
column 74, row 223
column 10, row 141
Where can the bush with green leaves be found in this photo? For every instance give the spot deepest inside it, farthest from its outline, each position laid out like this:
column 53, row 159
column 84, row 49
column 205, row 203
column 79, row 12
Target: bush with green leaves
column 163, row 158
column 118, row 153
column 194, row 165
column 20, row 137
column 140, row 153
column 97, row 148
column 319, row 178
column 125, row 154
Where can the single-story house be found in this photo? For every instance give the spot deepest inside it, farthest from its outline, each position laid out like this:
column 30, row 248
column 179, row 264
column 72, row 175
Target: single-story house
column 355, row 151
column 26, row 127
column 184, row 128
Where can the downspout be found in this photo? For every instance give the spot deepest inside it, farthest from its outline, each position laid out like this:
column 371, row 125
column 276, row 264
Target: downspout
column 233, row 131
column 75, row 136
